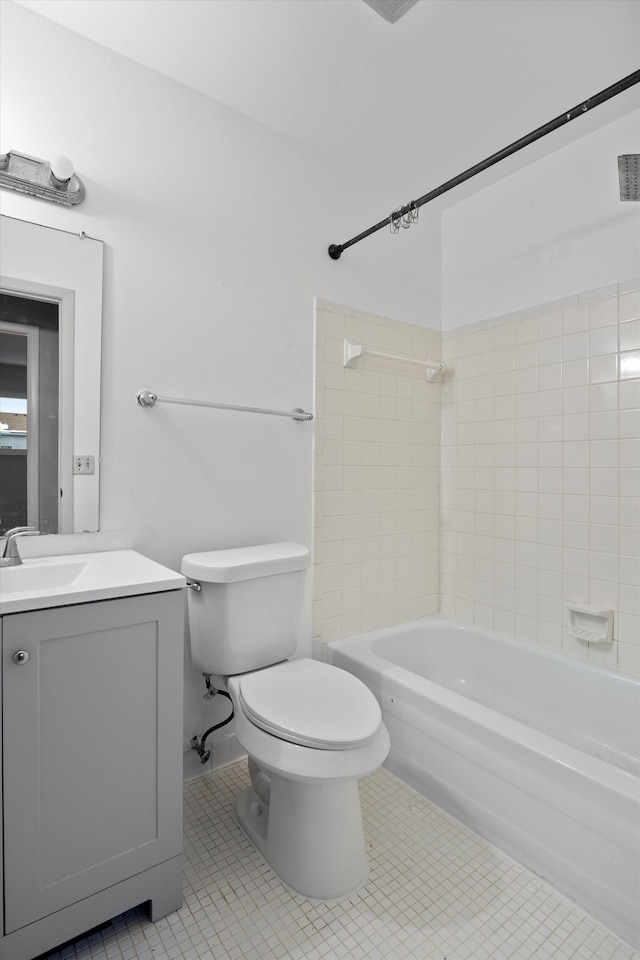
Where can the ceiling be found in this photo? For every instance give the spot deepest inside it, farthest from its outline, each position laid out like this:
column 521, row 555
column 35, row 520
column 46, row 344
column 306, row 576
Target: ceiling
column 412, row 104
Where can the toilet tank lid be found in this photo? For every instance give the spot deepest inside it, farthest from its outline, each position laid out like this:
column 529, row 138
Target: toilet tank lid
column 245, row 563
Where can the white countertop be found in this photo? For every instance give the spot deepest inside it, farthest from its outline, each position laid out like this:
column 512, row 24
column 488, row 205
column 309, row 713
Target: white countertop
column 57, row 581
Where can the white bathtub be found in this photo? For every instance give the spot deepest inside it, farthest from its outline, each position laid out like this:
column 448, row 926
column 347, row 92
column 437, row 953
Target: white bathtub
column 535, row 751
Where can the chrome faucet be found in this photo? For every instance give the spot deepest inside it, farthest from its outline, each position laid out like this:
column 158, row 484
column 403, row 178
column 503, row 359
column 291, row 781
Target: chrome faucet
column 10, row 556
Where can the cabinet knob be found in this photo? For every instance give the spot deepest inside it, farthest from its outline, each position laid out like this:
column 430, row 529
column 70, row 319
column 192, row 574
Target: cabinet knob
column 20, row 656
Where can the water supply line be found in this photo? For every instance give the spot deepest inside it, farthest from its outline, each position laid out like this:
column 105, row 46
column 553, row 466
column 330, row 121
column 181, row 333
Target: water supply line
column 408, row 213
column 198, row 743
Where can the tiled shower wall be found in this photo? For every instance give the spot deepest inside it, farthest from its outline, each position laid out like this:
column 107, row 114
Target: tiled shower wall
column 377, row 476
column 538, row 498
column 541, row 472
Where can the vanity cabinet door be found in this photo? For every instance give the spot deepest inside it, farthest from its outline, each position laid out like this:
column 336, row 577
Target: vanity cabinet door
column 92, row 741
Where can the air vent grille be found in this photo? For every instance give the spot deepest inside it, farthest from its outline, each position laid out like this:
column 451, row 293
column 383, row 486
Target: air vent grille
column 391, row 10
column 629, row 176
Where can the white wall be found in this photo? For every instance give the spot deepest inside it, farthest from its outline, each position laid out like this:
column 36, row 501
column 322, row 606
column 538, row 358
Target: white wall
column 216, row 232
column 544, row 232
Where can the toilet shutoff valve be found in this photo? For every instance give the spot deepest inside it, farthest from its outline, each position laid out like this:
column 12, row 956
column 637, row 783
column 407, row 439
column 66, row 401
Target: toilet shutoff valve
column 211, row 691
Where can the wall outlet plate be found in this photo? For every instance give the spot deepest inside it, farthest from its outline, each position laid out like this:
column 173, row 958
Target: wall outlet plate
column 84, row 464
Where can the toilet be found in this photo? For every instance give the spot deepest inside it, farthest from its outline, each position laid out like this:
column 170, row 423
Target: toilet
column 310, row 730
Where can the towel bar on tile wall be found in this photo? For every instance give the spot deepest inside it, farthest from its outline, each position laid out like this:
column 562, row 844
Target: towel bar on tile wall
column 147, row 398
column 354, row 350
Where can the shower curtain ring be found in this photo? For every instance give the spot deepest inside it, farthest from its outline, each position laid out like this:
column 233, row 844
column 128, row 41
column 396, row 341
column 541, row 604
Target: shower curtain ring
column 404, row 216
column 411, row 214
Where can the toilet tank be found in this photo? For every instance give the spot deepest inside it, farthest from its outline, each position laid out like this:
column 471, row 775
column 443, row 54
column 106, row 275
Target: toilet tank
column 247, row 613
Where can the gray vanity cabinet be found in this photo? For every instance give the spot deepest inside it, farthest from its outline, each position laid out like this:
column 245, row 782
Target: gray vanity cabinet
column 92, row 772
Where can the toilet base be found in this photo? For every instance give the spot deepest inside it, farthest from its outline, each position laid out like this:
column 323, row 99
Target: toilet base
column 310, row 834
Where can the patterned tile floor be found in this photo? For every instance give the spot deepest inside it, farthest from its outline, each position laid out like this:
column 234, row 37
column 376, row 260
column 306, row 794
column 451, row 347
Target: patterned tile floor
column 436, row 891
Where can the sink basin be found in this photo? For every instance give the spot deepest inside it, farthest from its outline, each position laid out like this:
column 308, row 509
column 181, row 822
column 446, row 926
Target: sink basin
column 79, row 578
column 42, row 575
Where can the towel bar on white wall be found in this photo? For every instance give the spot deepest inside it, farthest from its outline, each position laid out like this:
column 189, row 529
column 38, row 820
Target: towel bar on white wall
column 354, row 350
column 147, row 398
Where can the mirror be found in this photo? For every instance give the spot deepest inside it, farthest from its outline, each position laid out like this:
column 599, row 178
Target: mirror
column 50, row 359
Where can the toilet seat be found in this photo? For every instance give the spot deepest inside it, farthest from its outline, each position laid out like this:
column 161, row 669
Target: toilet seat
column 312, row 704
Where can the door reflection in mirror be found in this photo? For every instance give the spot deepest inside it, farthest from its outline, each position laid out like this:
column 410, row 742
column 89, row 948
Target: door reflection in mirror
column 43, row 265
column 29, row 420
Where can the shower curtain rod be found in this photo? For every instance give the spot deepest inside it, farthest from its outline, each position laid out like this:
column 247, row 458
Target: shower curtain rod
column 336, row 249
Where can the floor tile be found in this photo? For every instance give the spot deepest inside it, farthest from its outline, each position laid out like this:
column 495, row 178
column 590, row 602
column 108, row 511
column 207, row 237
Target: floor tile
column 436, row 891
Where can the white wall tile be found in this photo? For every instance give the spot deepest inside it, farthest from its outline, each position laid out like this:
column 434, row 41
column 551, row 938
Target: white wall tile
column 603, row 340
column 629, row 305
column 629, row 364
column 575, row 371
column 575, row 319
column 530, row 447
column 376, row 476
column 576, row 346
column 630, row 335
column 603, row 368
column 603, row 313
column 571, row 528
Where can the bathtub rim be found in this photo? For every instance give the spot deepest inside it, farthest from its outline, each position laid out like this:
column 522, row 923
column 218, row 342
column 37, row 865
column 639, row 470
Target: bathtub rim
column 574, row 786
column 577, row 762
column 465, row 626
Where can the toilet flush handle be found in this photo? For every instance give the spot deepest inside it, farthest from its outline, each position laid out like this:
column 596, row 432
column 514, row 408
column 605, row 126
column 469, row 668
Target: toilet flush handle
column 194, row 585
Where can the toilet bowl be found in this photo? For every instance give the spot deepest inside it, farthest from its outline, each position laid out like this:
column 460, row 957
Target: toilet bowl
column 310, row 729
column 302, row 810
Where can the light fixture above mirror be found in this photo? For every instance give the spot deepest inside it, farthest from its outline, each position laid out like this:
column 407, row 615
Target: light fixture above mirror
column 54, row 181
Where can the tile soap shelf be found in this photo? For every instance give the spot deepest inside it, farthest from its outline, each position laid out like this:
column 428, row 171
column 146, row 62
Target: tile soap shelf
column 590, row 624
